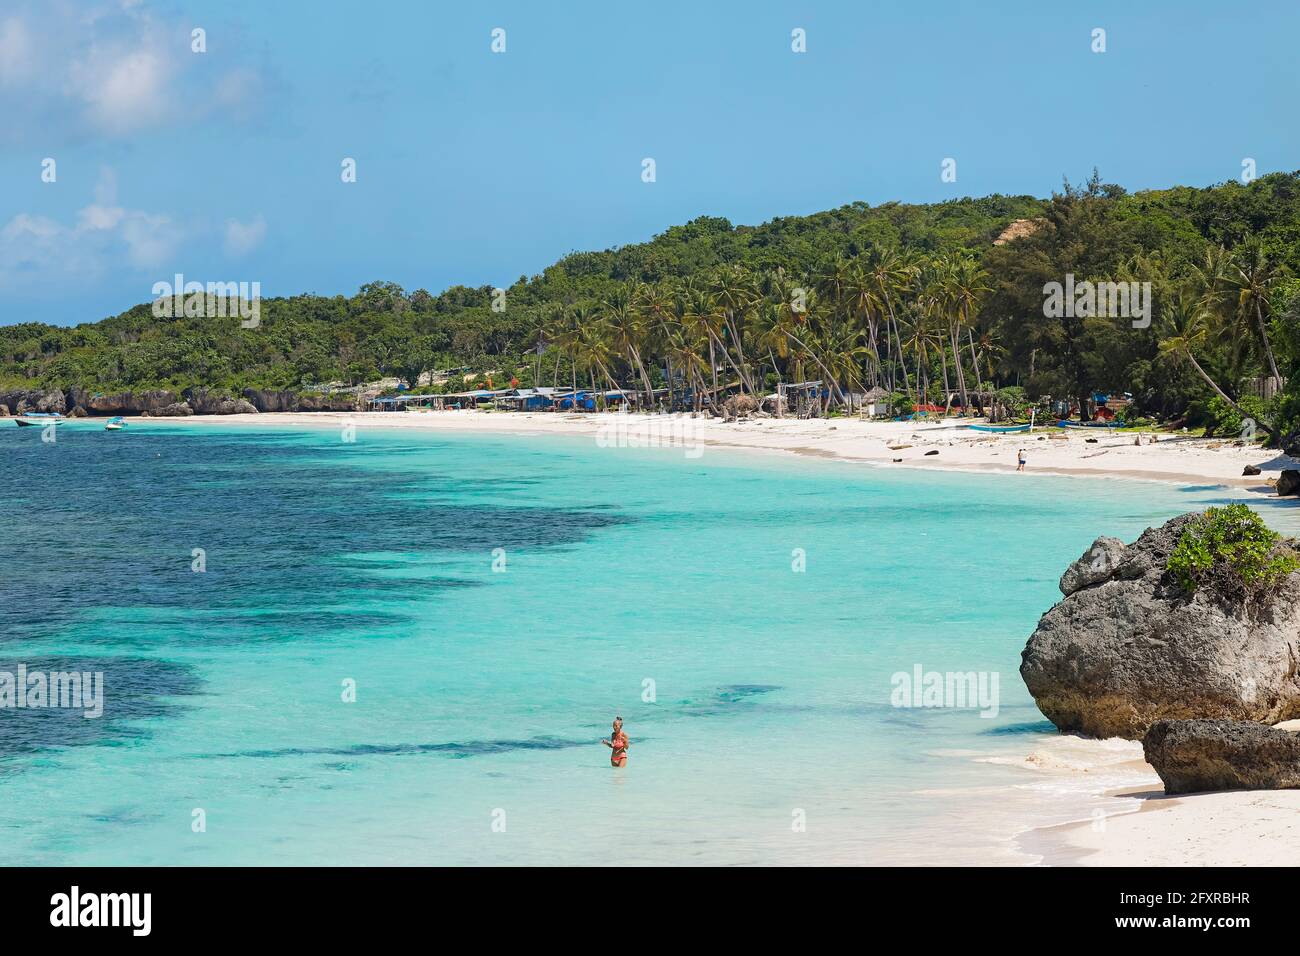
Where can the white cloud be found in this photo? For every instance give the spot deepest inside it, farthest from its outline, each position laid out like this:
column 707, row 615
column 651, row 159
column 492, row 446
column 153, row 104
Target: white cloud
column 242, row 238
column 124, row 91
column 103, row 238
column 17, row 62
column 71, row 69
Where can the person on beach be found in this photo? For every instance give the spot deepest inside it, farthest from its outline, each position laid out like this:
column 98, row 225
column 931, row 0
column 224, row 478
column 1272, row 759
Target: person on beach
column 618, row 744
column 1020, row 460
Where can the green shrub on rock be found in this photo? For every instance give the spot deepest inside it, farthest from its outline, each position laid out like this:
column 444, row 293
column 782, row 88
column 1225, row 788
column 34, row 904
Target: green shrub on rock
column 1231, row 551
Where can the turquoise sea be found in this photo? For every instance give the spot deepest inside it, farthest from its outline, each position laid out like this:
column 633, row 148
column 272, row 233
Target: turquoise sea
column 637, row 582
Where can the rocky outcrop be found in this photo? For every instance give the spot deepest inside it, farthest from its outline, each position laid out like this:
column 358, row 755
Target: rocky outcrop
column 146, row 402
column 1193, row 756
column 163, row 402
column 1250, row 470
column 285, row 401
column 265, row 401
column 205, row 402
column 174, row 410
column 1288, row 483
column 1127, row 646
column 4, row 411
column 321, row 402
column 34, row 400
column 77, row 412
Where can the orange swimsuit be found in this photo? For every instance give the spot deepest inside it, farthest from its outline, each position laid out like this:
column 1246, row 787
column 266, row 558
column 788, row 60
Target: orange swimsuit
column 618, row 754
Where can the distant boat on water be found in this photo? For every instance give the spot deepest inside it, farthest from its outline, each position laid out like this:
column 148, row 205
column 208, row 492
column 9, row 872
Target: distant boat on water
column 115, row 424
column 38, row 418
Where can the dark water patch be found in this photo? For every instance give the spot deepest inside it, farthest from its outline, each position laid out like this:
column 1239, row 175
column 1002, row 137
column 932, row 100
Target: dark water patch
column 187, row 521
column 132, row 689
column 1028, row 727
column 730, row 698
column 124, row 816
column 472, row 748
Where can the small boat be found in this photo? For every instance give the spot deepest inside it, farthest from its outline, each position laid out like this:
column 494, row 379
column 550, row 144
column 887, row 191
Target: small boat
column 1064, row 424
column 999, row 429
column 30, row 419
column 115, row 424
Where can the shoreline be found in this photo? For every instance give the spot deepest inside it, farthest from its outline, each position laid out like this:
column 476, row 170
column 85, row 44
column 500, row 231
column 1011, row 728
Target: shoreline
column 1225, row 828
column 1171, row 459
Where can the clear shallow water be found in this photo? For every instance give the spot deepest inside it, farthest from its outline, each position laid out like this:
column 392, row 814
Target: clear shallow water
column 480, row 692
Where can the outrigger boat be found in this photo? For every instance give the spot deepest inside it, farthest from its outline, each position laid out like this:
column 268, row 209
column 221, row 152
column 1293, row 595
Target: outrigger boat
column 999, row 429
column 115, row 424
column 1064, row 424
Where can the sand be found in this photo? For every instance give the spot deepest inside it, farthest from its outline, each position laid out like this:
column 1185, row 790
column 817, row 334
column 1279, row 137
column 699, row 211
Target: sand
column 1131, row 823
column 1081, row 452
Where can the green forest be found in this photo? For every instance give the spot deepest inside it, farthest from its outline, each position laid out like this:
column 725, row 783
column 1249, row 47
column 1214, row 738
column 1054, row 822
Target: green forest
column 931, row 303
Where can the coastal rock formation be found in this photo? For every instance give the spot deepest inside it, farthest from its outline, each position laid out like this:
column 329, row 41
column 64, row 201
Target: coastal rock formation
column 284, row 401
column 265, row 401
column 1250, row 470
column 77, row 412
column 1288, row 483
column 1127, row 646
column 1193, row 756
column 175, row 409
column 208, row 403
column 34, row 400
column 150, row 401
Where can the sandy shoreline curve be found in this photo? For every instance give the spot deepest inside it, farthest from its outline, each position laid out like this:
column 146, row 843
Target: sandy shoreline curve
column 950, row 447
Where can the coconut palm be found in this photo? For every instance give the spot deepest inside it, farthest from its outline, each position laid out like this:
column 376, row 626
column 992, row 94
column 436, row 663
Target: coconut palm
column 1189, row 324
column 1254, row 279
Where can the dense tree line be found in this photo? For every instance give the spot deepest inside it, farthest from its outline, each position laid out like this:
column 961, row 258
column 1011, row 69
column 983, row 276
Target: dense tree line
column 922, row 301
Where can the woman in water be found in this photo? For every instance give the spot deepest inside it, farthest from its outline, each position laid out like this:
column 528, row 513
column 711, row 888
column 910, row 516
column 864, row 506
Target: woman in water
column 618, row 744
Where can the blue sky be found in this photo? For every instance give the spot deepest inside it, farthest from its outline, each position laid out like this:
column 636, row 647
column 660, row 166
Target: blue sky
column 476, row 168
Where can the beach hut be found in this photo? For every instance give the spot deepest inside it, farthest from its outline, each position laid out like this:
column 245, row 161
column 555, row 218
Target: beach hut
column 400, row 403
column 875, row 403
column 528, row 399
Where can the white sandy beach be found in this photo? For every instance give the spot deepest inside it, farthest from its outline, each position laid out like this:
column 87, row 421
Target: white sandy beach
column 1080, row 452
column 1133, row 823
column 1138, row 825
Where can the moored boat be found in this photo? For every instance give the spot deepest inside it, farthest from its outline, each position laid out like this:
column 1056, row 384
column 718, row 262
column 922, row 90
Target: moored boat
column 999, row 429
column 114, row 424
column 30, row 419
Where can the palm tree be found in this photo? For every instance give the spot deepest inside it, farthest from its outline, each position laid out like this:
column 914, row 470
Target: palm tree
column 893, row 277
column 735, row 293
column 1189, row 324
column 964, row 288
column 625, row 328
column 1254, row 278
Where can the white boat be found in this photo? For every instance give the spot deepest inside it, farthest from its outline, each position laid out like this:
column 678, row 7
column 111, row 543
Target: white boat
column 115, row 424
